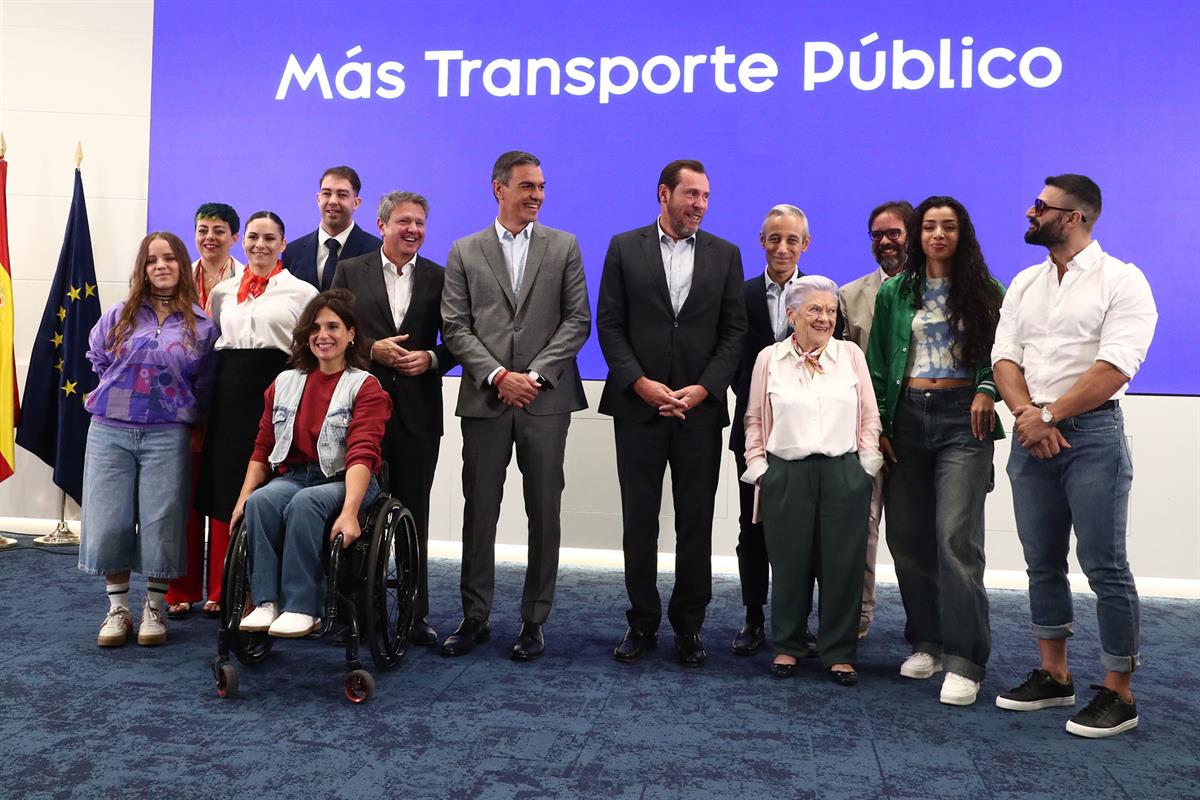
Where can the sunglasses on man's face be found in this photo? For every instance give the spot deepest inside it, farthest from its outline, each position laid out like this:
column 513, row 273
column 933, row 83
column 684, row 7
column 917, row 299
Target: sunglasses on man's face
column 1040, row 207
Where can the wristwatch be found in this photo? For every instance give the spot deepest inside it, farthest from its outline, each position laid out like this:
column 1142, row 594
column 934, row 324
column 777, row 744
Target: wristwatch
column 1047, row 417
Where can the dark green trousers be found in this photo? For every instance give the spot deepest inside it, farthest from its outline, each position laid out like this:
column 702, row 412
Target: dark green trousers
column 815, row 513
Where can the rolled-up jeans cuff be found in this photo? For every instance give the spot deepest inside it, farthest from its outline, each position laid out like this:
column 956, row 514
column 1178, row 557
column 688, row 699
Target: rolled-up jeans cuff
column 1120, row 663
column 1053, row 631
column 930, row 648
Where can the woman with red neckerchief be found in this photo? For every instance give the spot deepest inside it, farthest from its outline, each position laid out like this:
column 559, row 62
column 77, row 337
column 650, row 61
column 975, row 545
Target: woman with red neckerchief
column 257, row 314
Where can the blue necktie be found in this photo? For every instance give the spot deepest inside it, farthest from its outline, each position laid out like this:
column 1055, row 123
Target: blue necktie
column 330, row 264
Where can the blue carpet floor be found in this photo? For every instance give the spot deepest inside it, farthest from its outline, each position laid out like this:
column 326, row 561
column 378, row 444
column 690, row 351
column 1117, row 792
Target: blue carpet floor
column 80, row 722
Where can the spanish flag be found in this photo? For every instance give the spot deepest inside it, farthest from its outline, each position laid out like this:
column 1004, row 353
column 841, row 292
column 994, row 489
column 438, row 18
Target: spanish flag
column 9, row 404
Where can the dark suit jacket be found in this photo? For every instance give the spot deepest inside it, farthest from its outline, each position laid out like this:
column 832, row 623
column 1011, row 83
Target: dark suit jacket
column 759, row 334
column 640, row 334
column 300, row 256
column 416, row 400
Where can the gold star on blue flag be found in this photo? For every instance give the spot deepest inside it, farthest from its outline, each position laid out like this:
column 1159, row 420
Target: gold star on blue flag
column 54, row 423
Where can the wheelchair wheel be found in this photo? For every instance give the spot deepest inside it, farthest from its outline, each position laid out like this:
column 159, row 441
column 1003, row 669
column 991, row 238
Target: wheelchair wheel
column 250, row 648
column 227, row 681
column 359, row 686
column 391, row 586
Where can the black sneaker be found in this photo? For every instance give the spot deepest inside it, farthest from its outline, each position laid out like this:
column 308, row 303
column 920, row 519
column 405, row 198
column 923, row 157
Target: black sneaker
column 1107, row 715
column 1039, row 690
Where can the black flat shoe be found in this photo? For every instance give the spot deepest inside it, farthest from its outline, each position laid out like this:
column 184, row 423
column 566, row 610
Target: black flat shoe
column 423, row 634
column 844, row 677
column 690, row 649
column 470, row 633
column 530, row 642
column 634, row 645
column 749, row 639
column 782, row 670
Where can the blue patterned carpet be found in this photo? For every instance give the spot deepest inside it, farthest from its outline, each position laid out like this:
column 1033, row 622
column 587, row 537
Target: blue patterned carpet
column 77, row 721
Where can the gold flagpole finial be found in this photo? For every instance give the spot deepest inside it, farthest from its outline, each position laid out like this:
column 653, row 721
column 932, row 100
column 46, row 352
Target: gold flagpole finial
column 78, row 154
column 3, row 145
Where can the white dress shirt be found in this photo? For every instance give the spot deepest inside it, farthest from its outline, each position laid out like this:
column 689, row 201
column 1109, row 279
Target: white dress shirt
column 679, row 261
column 777, row 303
column 1102, row 310
column 399, row 282
column 323, row 248
column 516, row 251
column 261, row 322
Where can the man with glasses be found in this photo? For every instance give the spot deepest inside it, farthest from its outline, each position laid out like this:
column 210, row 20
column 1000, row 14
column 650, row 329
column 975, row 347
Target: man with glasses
column 887, row 226
column 1073, row 331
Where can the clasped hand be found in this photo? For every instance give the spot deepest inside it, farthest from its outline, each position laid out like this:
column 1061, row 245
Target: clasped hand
column 667, row 401
column 1041, row 440
column 390, row 353
column 518, row 389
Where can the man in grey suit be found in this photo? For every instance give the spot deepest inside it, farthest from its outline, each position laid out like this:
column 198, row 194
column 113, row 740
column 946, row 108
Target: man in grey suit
column 888, row 226
column 515, row 314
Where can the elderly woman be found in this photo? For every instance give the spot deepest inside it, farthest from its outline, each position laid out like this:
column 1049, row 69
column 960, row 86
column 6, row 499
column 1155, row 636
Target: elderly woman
column 812, row 447
column 256, row 314
column 930, row 359
column 319, row 437
column 153, row 353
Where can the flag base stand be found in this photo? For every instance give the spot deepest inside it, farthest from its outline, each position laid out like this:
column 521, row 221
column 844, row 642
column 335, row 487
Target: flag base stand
column 6, row 542
column 62, row 536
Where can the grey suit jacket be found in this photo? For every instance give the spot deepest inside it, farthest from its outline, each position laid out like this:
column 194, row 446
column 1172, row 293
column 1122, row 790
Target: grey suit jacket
column 857, row 301
column 542, row 330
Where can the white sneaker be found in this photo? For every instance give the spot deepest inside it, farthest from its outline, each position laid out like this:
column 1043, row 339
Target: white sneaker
column 115, row 629
column 958, row 691
column 260, row 619
column 921, row 666
column 153, row 629
column 291, row 625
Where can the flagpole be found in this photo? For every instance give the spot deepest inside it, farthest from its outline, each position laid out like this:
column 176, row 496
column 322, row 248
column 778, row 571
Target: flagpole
column 5, row 541
column 62, row 536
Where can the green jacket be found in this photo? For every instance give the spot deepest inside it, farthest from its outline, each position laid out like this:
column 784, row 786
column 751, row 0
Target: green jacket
column 887, row 352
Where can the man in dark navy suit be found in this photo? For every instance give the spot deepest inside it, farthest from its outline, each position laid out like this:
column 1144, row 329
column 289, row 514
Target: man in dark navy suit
column 314, row 256
column 398, row 301
column 784, row 238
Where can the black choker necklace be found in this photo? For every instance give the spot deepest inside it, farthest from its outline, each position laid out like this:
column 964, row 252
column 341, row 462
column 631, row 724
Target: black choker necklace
column 163, row 299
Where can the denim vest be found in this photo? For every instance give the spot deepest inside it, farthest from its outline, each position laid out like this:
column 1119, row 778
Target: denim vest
column 331, row 442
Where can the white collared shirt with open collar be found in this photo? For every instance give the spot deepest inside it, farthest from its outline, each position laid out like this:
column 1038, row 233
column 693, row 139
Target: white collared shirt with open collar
column 516, row 251
column 679, row 262
column 777, row 304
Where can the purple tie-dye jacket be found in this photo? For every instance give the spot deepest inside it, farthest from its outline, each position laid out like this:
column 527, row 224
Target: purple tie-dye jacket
column 159, row 376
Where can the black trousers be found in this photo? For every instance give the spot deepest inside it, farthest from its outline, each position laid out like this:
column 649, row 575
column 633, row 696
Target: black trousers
column 693, row 452
column 754, row 567
column 411, row 464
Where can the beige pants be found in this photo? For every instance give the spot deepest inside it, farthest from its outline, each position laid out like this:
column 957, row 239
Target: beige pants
column 868, row 596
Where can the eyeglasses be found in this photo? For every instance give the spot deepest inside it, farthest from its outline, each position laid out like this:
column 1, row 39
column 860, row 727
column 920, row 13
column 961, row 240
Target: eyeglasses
column 891, row 233
column 1040, row 207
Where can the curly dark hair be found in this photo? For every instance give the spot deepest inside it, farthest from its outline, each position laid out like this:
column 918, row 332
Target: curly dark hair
column 973, row 301
column 340, row 302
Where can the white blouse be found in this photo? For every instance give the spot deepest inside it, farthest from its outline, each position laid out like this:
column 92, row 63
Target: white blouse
column 262, row 322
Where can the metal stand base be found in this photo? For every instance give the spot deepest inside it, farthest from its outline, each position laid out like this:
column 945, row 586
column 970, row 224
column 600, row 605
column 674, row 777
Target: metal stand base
column 61, row 537
column 6, row 542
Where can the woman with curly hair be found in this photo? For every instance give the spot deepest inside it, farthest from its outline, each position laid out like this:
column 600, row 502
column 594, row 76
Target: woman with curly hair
column 929, row 358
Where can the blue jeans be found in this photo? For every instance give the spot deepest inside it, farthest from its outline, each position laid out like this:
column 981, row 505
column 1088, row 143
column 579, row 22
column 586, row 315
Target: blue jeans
column 935, row 498
column 1087, row 487
column 136, row 482
column 286, row 522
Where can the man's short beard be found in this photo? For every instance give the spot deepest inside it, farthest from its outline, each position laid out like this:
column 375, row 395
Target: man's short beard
column 891, row 264
column 1046, row 235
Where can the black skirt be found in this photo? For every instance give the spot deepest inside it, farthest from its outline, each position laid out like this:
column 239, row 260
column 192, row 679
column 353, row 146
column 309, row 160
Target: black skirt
column 237, row 406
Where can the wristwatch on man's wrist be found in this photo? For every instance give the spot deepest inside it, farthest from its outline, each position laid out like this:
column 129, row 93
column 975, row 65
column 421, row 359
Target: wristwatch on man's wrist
column 1047, row 416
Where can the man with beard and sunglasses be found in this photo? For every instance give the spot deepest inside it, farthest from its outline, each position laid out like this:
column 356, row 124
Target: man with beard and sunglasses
column 1073, row 332
column 887, row 226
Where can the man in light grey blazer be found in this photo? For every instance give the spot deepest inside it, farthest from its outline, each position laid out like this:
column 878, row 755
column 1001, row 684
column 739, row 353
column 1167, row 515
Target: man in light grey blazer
column 888, row 227
column 515, row 314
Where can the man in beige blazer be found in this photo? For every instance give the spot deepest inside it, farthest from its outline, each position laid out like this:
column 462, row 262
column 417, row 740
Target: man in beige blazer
column 888, row 227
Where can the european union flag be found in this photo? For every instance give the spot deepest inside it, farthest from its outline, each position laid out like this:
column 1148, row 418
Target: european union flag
column 54, row 424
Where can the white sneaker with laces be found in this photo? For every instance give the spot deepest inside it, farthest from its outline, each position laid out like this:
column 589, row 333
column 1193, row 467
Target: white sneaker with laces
column 115, row 629
column 260, row 619
column 153, row 629
column 958, row 690
column 292, row 625
column 920, row 666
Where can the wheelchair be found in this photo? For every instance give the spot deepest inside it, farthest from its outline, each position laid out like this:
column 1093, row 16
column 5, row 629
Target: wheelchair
column 370, row 587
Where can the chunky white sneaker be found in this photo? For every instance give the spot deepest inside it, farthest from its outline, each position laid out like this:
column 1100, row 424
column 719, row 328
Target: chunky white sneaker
column 958, row 690
column 260, row 619
column 921, row 666
column 115, row 629
column 153, row 629
column 291, row 625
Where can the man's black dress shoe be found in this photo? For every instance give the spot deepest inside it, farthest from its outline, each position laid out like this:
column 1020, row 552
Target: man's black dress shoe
column 529, row 643
column 422, row 633
column 749, row 639
column 690, row 649
column 634, row 645
column 844, row 677
column 782, row 670
column 470, row 633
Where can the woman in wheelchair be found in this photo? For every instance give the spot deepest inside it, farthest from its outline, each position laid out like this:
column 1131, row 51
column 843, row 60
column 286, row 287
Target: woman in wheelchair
column 318, row 445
